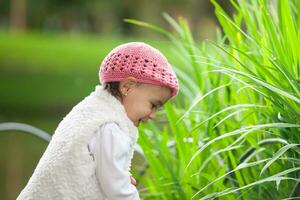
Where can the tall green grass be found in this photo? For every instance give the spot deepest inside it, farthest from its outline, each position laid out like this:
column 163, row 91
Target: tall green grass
column 233, row 133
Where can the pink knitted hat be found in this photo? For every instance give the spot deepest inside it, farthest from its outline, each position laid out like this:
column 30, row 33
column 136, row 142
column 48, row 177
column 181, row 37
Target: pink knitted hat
column 141, row 61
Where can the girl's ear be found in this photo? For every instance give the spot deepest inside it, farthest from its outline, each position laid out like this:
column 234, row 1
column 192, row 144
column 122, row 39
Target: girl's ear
column 127, row 84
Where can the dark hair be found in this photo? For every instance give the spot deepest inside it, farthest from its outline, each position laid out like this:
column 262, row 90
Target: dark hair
column 113, row 89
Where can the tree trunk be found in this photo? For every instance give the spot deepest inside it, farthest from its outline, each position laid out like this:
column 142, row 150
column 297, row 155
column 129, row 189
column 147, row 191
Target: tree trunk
column 17, row 15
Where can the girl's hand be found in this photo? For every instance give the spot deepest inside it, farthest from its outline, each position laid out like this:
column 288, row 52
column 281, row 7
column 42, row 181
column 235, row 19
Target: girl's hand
column 132, row 180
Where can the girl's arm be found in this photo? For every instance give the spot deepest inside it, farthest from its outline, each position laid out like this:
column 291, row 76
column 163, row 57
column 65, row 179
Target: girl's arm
column 111, row 151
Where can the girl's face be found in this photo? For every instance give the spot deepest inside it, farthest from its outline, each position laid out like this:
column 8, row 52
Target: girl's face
column 141, row 100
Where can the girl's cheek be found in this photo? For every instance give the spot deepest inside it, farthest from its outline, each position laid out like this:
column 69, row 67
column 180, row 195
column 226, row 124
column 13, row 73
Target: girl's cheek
column 144, row 113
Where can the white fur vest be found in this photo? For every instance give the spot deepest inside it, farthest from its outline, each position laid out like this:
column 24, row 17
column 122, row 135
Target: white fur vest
column 66, row 169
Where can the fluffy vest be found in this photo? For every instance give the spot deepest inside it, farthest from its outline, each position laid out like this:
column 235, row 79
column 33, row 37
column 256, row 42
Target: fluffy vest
column 66, row 169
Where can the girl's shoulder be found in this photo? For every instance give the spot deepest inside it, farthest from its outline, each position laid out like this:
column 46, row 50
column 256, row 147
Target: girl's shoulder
column 110, row 134
column 112, row 128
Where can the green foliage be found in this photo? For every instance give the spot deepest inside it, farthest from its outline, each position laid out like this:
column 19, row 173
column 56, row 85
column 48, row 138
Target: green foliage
column 46, row 74
column 233, row 133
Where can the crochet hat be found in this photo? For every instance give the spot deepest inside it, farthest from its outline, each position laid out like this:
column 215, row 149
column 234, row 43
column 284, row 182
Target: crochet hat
column 141, row 61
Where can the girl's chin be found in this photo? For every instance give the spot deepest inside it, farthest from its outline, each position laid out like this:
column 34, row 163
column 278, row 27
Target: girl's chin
column 137, row 123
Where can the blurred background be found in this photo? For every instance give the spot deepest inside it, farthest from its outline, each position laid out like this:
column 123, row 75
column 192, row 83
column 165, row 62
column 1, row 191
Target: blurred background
column 50, row 52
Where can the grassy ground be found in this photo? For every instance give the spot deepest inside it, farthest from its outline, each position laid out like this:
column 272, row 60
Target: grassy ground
column 46, row 72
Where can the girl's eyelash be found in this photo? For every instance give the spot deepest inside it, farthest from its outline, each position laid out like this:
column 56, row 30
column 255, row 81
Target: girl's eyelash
column 154, row 106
